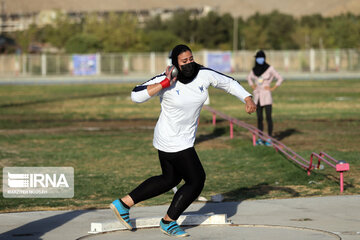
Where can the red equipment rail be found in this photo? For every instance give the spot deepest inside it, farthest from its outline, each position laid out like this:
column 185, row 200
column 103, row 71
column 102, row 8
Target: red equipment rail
column 340, row 166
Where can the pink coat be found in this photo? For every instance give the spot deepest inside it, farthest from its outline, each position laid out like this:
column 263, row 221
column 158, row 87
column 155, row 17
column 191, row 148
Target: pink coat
column 260, row 93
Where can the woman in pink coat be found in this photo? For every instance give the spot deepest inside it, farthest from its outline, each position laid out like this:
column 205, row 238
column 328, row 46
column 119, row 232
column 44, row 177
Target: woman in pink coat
column 260, row 79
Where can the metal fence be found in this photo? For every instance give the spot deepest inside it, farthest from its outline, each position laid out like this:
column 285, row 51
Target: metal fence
column 302, row 61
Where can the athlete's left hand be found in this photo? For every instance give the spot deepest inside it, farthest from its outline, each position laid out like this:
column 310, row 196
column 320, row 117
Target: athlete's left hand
column 250, row 106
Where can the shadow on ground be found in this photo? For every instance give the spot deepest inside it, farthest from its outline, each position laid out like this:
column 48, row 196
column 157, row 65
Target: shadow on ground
column 286, row 133
column 230, row 208
column 36, row 229
column 215, row 134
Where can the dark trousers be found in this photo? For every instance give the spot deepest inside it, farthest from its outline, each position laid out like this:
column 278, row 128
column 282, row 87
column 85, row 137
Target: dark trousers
column 175, row 167
column 260, row 118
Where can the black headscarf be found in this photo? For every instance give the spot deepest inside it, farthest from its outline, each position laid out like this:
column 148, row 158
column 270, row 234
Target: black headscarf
column 177, row 50
column 259, row 69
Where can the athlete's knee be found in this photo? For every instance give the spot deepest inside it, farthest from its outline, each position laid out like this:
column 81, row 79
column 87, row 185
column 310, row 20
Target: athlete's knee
column 166, row 182
column 202, row 177
column 171, row 181
column 197, row 183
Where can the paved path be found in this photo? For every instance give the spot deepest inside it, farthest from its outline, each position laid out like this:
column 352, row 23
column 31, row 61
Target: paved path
column 320, row 218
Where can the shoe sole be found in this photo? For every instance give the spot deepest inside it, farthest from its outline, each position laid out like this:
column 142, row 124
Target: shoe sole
column 183, row 235
column 123, row 222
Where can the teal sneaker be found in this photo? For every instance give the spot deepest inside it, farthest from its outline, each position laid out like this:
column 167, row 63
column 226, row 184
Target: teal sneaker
column 172, row 229
column 268, row 143
column 259, row 142
column 122, row 213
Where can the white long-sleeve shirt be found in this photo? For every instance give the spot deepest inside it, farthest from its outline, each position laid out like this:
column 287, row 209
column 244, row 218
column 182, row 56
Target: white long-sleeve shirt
column 181, row 105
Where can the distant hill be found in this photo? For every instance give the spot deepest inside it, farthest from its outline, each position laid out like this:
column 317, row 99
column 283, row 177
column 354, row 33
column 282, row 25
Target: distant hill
column 244, row 8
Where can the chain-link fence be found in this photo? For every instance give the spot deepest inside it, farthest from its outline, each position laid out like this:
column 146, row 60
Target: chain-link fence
column 311, row 61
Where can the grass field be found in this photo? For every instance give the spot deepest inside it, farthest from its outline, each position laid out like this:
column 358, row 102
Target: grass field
column 107, row 139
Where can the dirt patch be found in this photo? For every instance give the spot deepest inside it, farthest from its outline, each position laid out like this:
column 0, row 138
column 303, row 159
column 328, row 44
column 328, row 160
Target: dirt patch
column 316, row 134
column 90, row 126
column 217, row 143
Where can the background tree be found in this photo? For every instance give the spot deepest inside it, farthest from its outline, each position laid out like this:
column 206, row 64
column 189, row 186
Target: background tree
column 25, row 38
column 312, row 32
column 182, row 26
column 83, row 43
column 215, row 32
column 157, row 37
column 61, row 31
column 160, row 41
column 116, row 32
column 154, row 24
column 254, row 33
column 279, row 29
column 123, row 33
column 346, row 31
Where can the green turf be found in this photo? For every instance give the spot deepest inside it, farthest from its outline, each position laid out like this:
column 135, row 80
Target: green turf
column 108, row 140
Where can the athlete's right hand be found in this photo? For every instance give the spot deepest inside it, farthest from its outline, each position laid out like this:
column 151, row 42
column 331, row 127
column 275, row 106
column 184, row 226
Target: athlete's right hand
column 168, row 81
column 168, row 74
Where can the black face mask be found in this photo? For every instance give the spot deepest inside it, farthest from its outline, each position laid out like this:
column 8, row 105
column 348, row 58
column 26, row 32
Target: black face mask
column 188, row 69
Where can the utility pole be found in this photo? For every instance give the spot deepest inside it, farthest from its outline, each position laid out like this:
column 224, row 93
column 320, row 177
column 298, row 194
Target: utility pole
column 3, row 17
column 235, row 37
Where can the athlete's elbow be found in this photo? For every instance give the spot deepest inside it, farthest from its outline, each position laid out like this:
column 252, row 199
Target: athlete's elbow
column 135, row 98
column 138, row 98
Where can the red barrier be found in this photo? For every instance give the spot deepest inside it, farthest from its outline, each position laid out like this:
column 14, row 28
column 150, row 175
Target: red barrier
column 279, row 146
column 339, row 166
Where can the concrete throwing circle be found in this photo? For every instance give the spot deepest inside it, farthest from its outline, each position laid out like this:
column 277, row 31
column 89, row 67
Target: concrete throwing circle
column 286, row 232
column 229, row 232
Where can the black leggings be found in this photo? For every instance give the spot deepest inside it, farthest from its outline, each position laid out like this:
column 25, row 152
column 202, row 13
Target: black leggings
column 259, row 113
column 175, row 167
